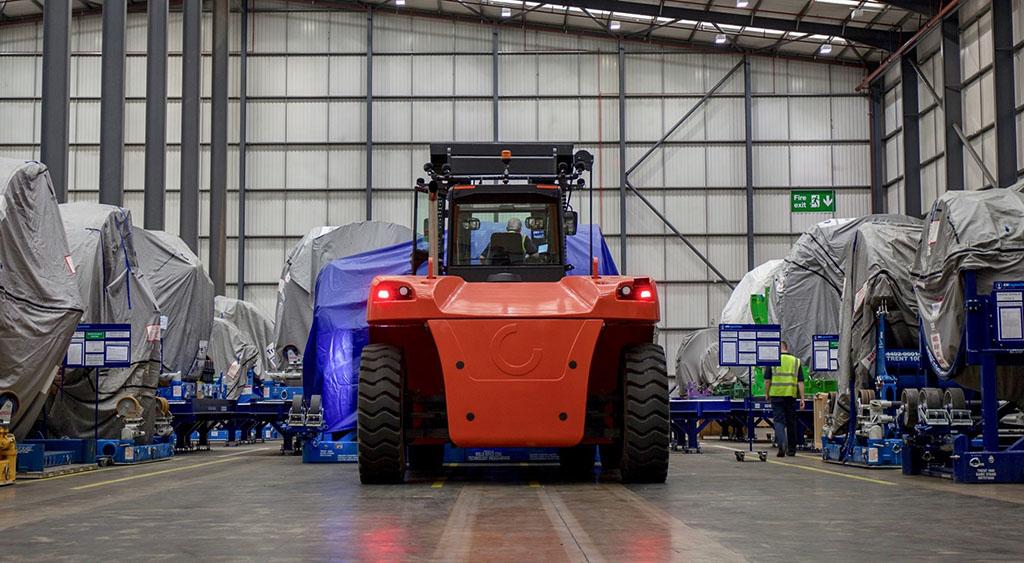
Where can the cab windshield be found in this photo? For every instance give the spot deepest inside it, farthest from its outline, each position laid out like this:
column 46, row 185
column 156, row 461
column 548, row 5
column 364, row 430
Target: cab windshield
column 506, row 234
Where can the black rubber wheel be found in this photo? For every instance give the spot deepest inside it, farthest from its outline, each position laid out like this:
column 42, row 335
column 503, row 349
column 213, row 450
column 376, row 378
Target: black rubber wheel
column 910, row 401
column 954, row 398
column 866, row 396
column 297, row 404
column 577, row 463
column 314, row 404
column 380, row 420
column 426, row 458
column 645, row 425
column 931, row 398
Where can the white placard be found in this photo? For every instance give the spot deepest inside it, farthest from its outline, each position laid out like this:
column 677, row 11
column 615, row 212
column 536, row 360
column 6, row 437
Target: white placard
column 76, row 354
column 93, row 346
column 117, row 353
column 748, row 345
column 748, row 359
column 768, row 353
column 1010, row 326
column 820, row 357
column 729, row 352
column 94, row 360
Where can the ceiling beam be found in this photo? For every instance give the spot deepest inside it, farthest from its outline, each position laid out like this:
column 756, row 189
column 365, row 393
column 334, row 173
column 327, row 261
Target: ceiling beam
column 926, row 7
column 874, row 38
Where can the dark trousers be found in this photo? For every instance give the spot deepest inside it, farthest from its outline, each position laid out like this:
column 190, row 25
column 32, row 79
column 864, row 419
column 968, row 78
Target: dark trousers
column 784, row 420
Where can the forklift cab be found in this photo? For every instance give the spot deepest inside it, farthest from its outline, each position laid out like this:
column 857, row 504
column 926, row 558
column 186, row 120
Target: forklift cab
column 489, row 229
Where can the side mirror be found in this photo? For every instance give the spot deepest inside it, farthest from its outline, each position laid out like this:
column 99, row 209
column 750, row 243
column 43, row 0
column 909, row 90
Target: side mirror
column 471, row 224
column 571, row 218
column 535, row 223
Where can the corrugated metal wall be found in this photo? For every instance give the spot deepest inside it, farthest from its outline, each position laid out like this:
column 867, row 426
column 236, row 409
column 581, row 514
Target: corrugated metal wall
column 978, row 100
column 432, row 82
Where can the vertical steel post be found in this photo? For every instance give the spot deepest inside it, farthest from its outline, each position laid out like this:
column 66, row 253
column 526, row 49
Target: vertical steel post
column 112, row 103
column 219, row 147
column 156, row 115
column 56, row 92
column 369, row 113
column 242, row 103
column 622, row 159
column 876, row 124
column 1006, row 115
column 191, row 78
column 911, row 136
column 952, row 107
column 748, row 110
column 494, row 83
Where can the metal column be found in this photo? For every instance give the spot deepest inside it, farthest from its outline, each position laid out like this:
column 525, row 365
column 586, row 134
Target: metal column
column 911, row 136
column 56, row 92
column 876, row 123
column 622, row 159
column 494, row 83
column 191, row 77
column 952, row 107
column 156, row 115
column 369, row 113
column 1006, row 116
column 242, row 101
column 748, row 111
column 112, row 103
column 219, row 147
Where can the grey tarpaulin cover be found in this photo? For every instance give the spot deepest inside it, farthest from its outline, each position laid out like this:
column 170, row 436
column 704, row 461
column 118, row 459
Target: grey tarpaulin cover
column 697, row 368
column 184, row 294
column 39, row 301
column 255, row 330
column 113, row 290
column 294, row 314
column 878, row 263
column 233, row 354
column 754, row 282
column 808, row 288
column 981, row 231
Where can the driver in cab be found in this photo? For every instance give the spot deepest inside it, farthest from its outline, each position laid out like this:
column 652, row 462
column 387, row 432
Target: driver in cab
column 510, row 247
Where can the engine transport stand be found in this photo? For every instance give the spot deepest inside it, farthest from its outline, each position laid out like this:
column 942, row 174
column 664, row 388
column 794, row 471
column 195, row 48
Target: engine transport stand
column 307, row 424
column 874, row 436
column 689, row 416
column 134, row 446
column 946, row 440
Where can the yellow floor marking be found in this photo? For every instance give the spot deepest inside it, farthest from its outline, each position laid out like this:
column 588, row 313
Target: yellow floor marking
column 153, row 473
column 437, row 484
column 535, row 484
column 818, row 469
column 836, row 473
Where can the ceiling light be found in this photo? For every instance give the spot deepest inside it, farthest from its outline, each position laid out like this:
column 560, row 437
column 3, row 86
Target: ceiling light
column 506, row 12
column 720, row 38
column 742, row 3
column 614, row 25
column 399, row 2
column 825, row 49
column 857, row 12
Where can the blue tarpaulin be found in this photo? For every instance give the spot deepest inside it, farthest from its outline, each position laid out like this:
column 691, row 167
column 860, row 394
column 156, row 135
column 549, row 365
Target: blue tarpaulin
column 339, row 332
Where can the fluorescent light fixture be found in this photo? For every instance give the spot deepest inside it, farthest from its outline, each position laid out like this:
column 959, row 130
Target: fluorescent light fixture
column 825, row 49
column 855, row 4
column 720, row 38
column 742, row 3
column 857, row 12
column 399, row 2
column 506, row 12
column 614, row 25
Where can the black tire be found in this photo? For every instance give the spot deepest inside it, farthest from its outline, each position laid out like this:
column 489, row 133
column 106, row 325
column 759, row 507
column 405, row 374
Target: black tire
column 380, row 419
column 577, row 463
column 910, row 402
column 645, row 424
column 931, row 398
column 954, row 399
column 426, row 458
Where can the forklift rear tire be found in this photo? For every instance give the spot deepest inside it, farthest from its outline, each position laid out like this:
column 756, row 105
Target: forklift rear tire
column 380, row 420
column 426, row 458
column 645, row 425
column 577, row 463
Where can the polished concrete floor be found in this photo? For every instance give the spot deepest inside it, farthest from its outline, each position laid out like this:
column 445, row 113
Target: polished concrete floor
column 251, row 503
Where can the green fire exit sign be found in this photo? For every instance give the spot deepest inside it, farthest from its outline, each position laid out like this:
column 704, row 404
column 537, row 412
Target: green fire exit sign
column 812, row 201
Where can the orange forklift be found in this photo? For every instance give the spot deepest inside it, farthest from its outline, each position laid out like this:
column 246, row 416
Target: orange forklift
column 500, row 346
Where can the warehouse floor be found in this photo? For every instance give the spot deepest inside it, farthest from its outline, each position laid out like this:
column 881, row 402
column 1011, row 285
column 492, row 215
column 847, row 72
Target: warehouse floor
column 249, row 502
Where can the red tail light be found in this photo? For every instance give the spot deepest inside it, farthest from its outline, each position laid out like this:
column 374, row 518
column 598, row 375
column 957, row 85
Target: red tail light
column 639, row 290
column 392, row 292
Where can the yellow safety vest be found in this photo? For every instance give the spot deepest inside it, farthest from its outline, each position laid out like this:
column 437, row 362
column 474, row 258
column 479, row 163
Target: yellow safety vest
column 784, row 377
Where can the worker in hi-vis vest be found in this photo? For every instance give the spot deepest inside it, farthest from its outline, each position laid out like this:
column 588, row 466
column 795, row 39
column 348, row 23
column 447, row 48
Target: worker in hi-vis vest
column 783, row 386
